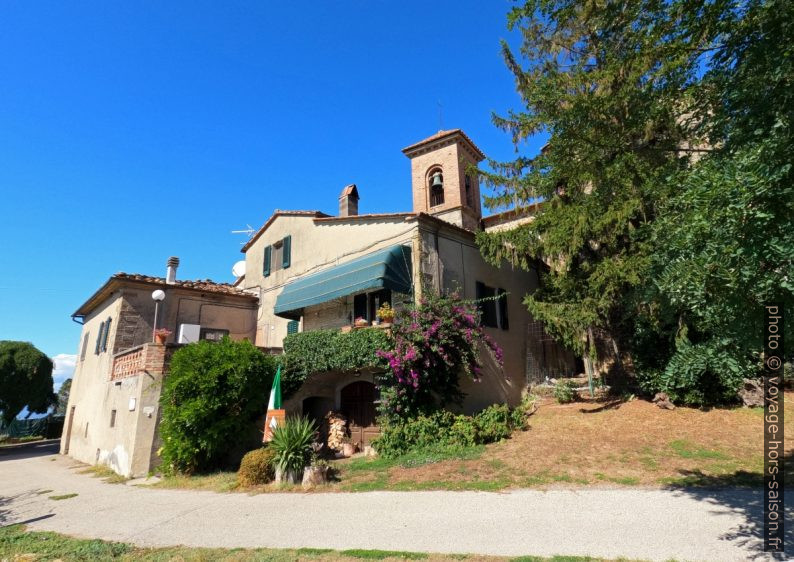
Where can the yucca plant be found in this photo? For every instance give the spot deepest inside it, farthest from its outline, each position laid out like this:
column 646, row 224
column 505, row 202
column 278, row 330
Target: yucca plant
column 292, row 444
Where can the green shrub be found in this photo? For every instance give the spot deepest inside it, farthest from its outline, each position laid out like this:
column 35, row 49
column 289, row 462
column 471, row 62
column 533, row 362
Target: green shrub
column 257, row 467
column 697, row 375
column 498, row 422
column 211, row 397
column 292, row 444
column 565, row 392
column 318, row 351
column 445, row 429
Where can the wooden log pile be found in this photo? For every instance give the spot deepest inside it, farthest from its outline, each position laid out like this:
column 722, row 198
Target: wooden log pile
column 337, row 430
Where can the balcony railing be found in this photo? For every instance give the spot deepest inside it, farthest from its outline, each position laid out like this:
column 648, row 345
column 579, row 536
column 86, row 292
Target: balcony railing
column 128, row 363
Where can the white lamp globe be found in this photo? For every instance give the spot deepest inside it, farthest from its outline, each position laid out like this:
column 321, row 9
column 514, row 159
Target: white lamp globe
column 158, row 295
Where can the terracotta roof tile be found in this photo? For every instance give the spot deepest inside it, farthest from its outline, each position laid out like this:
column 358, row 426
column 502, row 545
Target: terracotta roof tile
column 364, row 217
column 443, row 134
column 204, row 285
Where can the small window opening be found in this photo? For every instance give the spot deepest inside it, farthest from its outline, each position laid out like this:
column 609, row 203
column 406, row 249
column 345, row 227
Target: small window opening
column 112, row 418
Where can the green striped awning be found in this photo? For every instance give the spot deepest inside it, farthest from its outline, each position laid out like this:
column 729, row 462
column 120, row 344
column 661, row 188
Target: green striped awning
column 386, row 269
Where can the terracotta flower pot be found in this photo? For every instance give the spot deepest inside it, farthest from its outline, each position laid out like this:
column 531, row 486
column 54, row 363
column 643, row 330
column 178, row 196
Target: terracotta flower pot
column 160, row 339
column 348, row 449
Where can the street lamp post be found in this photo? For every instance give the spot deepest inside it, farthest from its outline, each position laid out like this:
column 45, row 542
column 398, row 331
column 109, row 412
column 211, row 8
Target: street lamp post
column 157, row 296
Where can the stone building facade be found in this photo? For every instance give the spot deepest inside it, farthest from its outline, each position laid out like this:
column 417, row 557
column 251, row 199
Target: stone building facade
column 304, row 271
column 114, row 401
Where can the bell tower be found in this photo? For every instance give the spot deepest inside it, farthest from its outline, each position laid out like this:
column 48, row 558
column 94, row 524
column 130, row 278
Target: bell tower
column 441, row 182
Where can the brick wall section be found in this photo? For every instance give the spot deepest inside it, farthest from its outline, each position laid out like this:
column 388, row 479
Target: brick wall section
column 151, row 358
column 452, row 157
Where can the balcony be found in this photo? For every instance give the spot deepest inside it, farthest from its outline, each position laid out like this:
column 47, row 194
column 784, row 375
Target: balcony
column 151, row 358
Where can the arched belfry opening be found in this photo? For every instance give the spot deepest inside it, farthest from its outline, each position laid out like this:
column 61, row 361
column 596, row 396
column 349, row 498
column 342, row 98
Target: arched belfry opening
column 436, row 187
column 443, row 183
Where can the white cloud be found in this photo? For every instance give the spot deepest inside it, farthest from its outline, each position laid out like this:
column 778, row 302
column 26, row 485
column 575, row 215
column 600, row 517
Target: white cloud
column 62, row 369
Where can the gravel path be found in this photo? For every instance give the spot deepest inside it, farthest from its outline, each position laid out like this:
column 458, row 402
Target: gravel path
column 634, row 523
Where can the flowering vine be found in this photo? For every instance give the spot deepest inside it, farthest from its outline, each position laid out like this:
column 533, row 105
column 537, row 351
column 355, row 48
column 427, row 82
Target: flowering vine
column 434, row 343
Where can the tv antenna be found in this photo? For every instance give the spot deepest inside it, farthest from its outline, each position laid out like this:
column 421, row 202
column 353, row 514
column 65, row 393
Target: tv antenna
column 248, row 230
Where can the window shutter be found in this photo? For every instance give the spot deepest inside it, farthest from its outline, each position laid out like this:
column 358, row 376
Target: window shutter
column 502, row 294
column 85, row 346
column 99, row 338
column 268, row 252
column 286, row 251
column 105, row 337
column 292, row 327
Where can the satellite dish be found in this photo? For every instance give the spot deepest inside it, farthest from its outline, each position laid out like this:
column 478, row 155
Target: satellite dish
column 238, row 269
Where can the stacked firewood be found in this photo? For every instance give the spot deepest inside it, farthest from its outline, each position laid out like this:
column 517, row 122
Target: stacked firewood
column 337, row 430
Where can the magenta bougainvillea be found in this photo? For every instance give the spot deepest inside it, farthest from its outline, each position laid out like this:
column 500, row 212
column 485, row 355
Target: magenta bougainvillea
column 435, row 342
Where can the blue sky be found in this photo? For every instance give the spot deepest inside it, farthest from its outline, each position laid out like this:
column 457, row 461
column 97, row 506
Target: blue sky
column 132, row 131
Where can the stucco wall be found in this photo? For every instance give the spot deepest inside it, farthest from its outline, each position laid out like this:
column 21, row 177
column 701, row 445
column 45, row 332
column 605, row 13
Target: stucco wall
column 315, row 246
column 128, row 446
column 451, row 260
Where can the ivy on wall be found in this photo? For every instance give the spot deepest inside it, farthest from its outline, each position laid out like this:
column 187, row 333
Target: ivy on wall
column 331, row 350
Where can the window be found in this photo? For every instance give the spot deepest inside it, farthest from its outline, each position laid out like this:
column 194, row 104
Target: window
column 278, row 256
column 105, row 336
column 212, row 334
column 101, row 333
column 366, row 305
column 85, row 346
column 112, row 418
column 469, row 195
column 493, row 306
column 436, row 188
column 292, row 327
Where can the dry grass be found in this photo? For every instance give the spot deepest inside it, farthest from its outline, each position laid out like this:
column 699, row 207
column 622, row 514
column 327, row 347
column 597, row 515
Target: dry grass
column 600, row 443
column 606, row 443
column 105, row 473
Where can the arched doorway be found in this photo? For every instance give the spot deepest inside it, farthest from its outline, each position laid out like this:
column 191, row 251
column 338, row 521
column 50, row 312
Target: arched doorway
column 357, row 403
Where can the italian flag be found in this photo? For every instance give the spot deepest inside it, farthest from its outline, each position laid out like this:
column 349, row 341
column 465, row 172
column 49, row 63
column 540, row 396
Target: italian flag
column 275, row 413
column 275, row 392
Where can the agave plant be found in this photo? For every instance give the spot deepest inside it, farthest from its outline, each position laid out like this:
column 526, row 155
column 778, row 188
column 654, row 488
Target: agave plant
column 292, row 444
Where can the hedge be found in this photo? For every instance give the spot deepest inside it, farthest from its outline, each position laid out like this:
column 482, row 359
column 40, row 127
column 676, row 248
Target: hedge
column 318, row 351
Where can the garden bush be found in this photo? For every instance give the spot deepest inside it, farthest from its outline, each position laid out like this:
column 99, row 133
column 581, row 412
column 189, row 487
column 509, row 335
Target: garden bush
column 211, row 397
column 435, row 343
column 445, row 429
column 292, row 444
column 565, row 392
column 257, row 467
column 697, row 375
column 330, row 350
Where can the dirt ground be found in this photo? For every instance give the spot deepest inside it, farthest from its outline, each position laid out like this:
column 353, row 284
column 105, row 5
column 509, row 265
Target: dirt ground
column 608, row 443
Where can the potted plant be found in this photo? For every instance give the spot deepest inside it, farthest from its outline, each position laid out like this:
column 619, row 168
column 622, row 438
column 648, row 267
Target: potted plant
column 386, row 313
column 348, row 447
column 161, row 334
column 292, row 445
column 360, row 322
column 316, row 473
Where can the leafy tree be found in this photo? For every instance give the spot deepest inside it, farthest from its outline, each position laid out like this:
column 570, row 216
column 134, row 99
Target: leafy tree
column 609, row 83
column 63, row 397
column 723, row 243
column 666, row 180
column 25, row 379
column 211, row 396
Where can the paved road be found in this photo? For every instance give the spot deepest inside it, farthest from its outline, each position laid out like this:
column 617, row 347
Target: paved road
column 644, row 524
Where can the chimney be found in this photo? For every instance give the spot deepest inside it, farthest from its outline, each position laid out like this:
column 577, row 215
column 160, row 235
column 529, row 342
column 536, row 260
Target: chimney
column 348, row 201
column 170, row 272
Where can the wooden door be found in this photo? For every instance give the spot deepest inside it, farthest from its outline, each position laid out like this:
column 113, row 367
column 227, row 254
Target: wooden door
column 358, row 405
